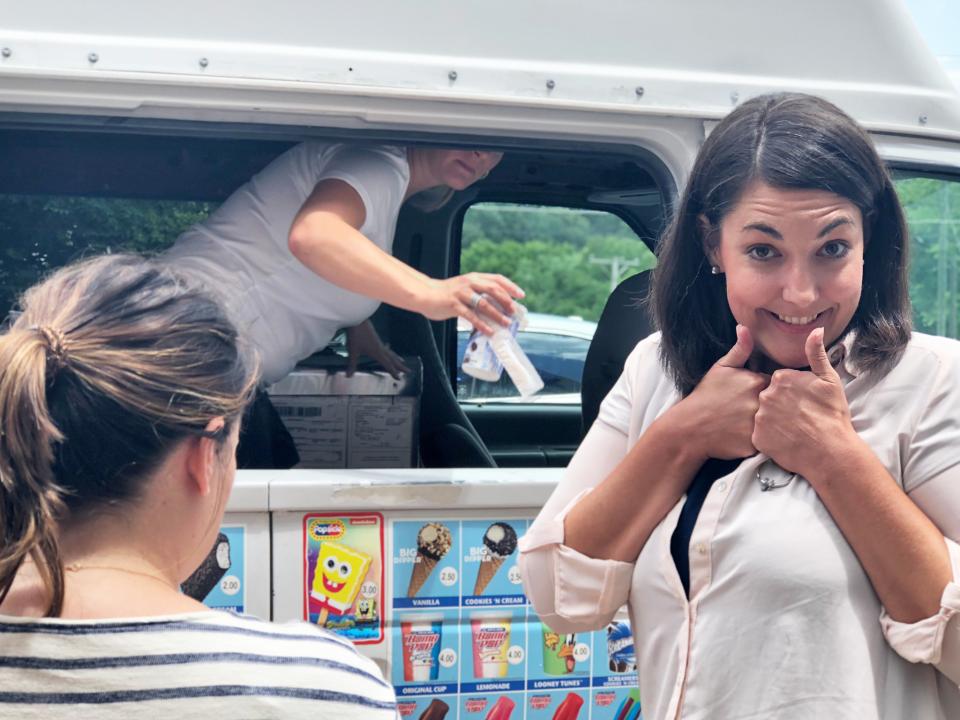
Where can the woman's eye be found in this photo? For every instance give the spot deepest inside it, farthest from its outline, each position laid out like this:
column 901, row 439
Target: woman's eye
column 761, row 252
column 835, row 249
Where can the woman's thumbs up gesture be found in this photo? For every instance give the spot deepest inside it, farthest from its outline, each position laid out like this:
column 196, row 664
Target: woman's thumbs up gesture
column 723, row 406
column 803, row 416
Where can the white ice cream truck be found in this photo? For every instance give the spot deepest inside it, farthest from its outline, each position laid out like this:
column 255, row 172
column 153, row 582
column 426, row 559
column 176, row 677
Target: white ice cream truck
column 600, row 108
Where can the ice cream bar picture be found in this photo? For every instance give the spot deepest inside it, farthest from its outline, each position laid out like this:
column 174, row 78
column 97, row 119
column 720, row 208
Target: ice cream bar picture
column 502, row 709
column 499, row 543
column 630, row 707
column 337, row 578
column 433, row 543
column 437, row 710
column 569, row 709
column 623, row 712
column 210, row 572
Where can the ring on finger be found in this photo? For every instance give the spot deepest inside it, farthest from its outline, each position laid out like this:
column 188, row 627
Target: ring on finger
column 475, row 300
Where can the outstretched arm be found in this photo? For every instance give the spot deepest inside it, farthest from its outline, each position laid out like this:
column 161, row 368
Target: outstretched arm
column 325, row 237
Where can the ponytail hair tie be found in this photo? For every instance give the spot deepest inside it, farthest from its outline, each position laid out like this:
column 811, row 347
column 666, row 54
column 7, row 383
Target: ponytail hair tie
column 56, row 344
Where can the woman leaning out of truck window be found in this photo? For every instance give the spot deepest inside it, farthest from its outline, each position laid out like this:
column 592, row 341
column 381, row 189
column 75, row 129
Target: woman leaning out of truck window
column 304, row 249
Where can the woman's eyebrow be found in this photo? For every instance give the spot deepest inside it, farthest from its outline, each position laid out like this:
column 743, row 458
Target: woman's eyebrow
column 775, row 234
column 764, row 228
column 834, row 224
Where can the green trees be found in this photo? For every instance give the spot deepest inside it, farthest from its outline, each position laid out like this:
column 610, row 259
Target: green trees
column 548, row 252
column 39, row 234
column 933, row 212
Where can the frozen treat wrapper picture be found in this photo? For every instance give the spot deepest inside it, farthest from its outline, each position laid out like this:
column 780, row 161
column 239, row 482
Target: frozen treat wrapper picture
column 343, row 575
column 337, row 577
column 211, row 570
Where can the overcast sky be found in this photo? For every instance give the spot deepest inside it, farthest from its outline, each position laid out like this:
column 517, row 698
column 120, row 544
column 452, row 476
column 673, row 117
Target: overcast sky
column 939, row 21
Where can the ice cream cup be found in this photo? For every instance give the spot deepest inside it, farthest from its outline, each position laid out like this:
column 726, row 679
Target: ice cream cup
column 420, row 638
column 491, row 640
column 620, row 650
column 558, row 652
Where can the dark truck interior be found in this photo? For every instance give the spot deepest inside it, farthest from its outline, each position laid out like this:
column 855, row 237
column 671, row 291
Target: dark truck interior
column 103, row 158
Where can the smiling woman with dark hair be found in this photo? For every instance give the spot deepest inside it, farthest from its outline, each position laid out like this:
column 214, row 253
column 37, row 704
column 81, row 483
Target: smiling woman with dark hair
column 773, row 485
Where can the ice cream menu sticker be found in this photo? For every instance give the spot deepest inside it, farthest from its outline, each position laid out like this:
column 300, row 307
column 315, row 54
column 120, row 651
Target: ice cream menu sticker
column 615, row 661
column 426, row 565
column 616, row 704
column 490, row 573
column 343, row 574
column 465, row 644
column 220, row 581
column 558, row 661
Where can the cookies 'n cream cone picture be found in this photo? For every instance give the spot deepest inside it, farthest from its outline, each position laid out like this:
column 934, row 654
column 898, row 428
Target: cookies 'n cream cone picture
column 499, row 543
column 433, row 543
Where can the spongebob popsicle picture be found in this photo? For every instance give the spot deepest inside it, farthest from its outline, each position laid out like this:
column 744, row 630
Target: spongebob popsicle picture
column 337, row 578
column 343, row 569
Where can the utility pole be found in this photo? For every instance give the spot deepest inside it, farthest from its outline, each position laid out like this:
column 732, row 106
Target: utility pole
column 617, row 266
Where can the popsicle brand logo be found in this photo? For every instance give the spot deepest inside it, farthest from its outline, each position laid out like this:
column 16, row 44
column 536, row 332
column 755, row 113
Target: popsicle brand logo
column 476, row 706
column 326, row 529
column 491, row 638
column 539, row 702
column 406, row 708
column 421, row 642
column 604, row 699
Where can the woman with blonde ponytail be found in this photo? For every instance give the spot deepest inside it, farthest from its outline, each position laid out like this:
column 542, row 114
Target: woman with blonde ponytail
column 122, row 386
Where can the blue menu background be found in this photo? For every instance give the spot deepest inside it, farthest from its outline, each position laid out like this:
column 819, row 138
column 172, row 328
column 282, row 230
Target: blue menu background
column 217, row 598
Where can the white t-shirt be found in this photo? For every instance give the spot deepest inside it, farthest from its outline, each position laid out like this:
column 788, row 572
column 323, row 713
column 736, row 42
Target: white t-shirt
column 191, row 666
column 241, row 252
column 781, row 620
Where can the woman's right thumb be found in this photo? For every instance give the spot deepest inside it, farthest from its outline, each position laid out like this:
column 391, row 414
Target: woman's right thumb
column 739, row 354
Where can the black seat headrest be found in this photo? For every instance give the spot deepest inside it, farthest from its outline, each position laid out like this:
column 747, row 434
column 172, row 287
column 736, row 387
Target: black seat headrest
column 623, row 323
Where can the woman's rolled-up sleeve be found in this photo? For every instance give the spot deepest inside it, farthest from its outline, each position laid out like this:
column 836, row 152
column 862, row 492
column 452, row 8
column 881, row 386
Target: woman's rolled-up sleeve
column 936, row 639
column 931, row 478
column 570, row 591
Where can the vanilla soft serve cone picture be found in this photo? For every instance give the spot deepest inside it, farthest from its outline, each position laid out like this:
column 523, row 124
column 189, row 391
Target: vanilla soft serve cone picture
column 433, row 543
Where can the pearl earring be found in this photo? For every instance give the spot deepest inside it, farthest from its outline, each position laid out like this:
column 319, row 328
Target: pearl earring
column 714, row 270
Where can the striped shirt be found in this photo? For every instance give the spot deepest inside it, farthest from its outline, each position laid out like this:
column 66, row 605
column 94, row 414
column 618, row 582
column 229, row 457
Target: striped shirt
column 195, row 665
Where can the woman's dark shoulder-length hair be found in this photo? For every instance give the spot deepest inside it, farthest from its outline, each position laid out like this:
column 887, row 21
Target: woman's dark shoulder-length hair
column 789, row 141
